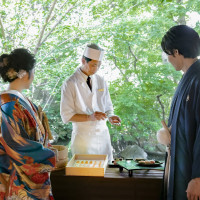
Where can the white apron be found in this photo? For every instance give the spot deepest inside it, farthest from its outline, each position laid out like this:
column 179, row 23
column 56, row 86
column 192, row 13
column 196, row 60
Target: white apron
column 91, row 138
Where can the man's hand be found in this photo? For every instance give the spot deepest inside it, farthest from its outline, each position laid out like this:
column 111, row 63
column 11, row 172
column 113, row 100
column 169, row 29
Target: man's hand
column 115, row 120
column 97, row 116
column 193, row 189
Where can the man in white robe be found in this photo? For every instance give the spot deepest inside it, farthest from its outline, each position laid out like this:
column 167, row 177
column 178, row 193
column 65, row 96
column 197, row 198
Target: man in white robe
column 85, row 101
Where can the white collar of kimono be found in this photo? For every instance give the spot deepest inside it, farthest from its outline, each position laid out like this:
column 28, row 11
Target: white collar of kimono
column 19, row 94
column 93, row 54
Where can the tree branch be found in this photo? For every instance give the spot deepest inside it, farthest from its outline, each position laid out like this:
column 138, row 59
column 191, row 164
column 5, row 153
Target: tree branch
column 51, row 93
column 115, row 62
column 3, row 34
column 135, row 61
column 59, row 9
column 55, row 25
column 181, row 19
column 162, row 106
column 34, row 19
column 52, row 51
column 43, row 29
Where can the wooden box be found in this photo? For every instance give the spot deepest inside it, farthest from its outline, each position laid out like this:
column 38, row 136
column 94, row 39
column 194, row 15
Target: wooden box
column 72, row 169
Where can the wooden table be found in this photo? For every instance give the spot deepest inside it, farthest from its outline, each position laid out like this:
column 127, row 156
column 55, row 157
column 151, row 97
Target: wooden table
column 115, row 185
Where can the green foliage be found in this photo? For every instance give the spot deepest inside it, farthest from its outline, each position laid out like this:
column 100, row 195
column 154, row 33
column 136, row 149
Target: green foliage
column 129, row 30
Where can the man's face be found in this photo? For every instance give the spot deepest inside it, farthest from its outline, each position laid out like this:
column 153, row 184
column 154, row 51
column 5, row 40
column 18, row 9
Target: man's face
column 91, row 67
column 176, row 60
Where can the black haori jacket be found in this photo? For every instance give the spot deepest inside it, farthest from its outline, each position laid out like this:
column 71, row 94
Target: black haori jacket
column 185, row 113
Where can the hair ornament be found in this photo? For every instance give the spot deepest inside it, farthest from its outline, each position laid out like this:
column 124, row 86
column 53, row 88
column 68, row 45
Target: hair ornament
column 11, row 74
column 21, row 74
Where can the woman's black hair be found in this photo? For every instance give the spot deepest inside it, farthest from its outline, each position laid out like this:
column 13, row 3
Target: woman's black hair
column 184, row 39
column 18, row 59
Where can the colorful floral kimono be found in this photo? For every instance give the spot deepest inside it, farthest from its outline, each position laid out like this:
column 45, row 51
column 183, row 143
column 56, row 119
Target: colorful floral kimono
column 25, row 159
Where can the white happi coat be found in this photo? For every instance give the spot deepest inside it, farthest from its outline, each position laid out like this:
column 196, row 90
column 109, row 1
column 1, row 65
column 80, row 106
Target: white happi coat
column 91, row 137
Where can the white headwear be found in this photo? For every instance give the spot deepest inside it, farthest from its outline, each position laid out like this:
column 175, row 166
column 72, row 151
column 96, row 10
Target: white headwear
column 93, row 54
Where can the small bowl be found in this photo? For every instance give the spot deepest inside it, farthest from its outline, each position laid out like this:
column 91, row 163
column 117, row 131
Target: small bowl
column 61, row 152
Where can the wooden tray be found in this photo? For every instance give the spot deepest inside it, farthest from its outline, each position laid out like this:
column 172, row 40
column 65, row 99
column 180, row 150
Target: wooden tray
column 86, row 171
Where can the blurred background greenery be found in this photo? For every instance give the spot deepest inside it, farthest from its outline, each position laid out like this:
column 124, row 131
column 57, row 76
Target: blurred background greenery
column 141, row 82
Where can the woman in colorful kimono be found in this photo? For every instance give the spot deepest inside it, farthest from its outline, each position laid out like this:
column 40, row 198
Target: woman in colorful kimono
column 25, row 159
column 182, row 45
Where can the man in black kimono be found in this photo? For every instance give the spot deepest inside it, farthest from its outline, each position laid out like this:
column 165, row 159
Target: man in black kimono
column 182, row 45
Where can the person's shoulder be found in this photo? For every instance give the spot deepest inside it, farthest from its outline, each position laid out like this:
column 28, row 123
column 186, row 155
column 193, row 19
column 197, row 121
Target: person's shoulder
column 99, row 77
column 8, row 98
column 9, row 103
column 70, row 80
column 196, row 74
column 195, row 81
column 72, row 76
column 196, row 69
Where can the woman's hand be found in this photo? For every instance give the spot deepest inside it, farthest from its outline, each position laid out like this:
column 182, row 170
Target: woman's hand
column 193, row 189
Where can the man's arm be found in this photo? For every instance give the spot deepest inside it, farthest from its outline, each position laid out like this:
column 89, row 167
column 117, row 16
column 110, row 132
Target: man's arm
column 67, row 107
column 84, row 117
